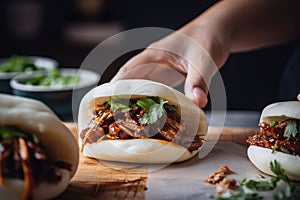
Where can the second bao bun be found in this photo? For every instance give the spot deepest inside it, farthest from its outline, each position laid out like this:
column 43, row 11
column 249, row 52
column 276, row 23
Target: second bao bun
column 142, row 150
column 261, row 156
column 33, row 117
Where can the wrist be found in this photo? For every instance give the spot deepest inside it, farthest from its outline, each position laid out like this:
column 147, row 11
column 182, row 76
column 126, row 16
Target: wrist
column 214, row 39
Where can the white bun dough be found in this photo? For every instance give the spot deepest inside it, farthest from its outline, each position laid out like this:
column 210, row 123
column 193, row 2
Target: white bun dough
column 32, row 116
column 141, row 150
column 281, row 111
column 261, row 157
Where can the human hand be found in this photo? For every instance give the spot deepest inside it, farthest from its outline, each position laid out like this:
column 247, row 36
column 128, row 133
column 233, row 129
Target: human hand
column 176, row 57
column 298, row 97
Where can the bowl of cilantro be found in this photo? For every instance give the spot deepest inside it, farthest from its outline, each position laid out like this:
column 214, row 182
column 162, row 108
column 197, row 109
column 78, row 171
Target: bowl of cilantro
column 15, row 65
column 61, row 88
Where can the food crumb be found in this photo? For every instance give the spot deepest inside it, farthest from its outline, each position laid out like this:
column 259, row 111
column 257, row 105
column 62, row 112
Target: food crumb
column 219, row 180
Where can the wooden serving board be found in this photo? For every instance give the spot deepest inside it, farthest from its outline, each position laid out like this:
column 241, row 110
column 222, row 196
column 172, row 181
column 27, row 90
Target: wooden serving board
column 103, row 180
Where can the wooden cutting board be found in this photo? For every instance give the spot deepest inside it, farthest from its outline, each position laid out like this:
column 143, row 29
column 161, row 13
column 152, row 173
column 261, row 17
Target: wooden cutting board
column 103, row 180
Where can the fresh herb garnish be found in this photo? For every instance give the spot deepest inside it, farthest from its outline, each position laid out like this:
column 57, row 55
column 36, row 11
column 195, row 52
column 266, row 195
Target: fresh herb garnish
column 170, row 107
column 250, row 189
column 241, row 194
column 53, row 78
column 292, row 129
column 273, row 123
column 18, row 64
column 155, row 109
column 116, row 104
column 284, row 150
column 10, row 133
column 274, row 147
column 146, row 103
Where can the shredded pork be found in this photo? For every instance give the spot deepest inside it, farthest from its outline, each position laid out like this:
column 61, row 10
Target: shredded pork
column 21, row 158
column 272, row 137
column 108, row 125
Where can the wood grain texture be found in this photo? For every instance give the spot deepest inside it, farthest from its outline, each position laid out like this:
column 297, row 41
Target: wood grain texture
column 105, row 180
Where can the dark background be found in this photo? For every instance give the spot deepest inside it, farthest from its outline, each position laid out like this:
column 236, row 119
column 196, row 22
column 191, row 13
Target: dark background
column 40, row 27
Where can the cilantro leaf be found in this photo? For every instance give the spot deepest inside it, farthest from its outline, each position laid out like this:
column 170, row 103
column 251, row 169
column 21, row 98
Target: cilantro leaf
column 284, row 150
column 157, row 99
column 273, row 123
column 146, row 103
column 248, row 189
column 115, row 105
column 274, row 147
column 7, row 133
column 262, row 185
column 278, row 171
column 171, row 107
column 289, row 188
column 291, row 129
column 154, row 109
column 240, row 194
column 10, row 133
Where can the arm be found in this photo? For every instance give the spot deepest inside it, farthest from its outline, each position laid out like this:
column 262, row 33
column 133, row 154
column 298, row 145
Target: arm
column 248, row 24
column 228, row 26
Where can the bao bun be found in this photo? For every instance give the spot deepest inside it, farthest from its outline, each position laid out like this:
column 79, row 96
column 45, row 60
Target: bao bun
column 141, row 150
column 281, row 111
column 32, row 116
column 261, row 157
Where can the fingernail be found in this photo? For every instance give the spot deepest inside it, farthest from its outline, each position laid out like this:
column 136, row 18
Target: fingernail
column 199, row 96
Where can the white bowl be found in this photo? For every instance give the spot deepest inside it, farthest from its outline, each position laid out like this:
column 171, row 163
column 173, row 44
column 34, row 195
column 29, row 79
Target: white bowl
column 5, row 77
column 63, row 100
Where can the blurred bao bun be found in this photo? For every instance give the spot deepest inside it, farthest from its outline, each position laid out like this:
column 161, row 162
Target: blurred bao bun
column 281, row 111
column 261, row 157
column 141, row 150
column 32, row 116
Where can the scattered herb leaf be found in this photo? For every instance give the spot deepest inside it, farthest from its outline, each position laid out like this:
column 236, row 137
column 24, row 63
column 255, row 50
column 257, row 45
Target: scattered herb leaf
column 250, row 189
column 241, row 194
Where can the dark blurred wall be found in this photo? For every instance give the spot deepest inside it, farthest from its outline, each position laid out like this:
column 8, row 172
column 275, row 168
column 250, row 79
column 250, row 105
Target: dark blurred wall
column 251, row 79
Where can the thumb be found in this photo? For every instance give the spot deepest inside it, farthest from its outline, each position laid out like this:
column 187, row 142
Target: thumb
column 197, row 82
column 196, row 88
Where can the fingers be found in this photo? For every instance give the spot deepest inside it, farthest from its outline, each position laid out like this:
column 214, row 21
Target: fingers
column 167, row 68
column 298, row 97
column 198, row 79
column 129, row 66
column 153, row 64
column 143, row 65
column 196, row 88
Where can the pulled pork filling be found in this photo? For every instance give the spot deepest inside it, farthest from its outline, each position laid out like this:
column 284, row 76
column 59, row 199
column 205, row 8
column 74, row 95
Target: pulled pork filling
column 115, row 121
column 23, row 157
column 281, row 136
